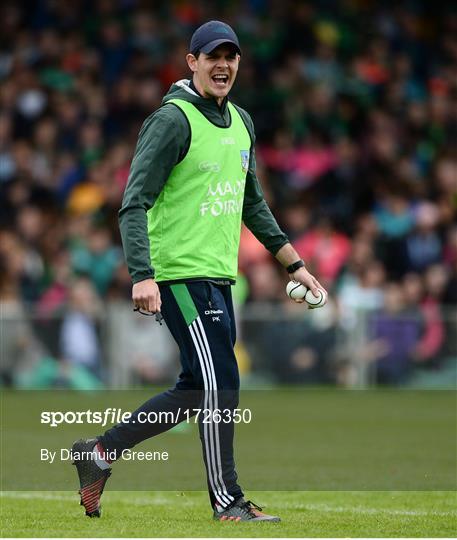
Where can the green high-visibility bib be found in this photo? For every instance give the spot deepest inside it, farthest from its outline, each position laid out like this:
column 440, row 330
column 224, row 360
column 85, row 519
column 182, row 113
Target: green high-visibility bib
column 194, row 226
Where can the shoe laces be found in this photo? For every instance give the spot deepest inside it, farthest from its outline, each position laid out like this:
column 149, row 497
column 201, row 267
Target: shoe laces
column 250, row 508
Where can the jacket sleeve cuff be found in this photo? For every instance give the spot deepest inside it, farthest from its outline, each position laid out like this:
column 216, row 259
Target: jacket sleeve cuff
column 273, row 248
column 141, row 276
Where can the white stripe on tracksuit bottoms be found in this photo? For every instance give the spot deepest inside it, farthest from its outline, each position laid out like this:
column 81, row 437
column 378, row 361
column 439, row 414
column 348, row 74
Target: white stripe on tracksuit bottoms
column 216, row 406
column 211, row 429
column 207, row 404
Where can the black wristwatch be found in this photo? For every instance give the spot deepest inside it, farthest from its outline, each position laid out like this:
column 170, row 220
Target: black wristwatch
column 295, row 266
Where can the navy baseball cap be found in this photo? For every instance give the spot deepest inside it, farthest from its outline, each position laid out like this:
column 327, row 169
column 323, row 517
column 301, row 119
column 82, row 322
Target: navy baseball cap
column 212, row 34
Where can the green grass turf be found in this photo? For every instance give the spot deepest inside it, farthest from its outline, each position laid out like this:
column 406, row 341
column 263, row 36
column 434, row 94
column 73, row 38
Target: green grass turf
column 347, row 460
column 299, row 439
column 175, row 514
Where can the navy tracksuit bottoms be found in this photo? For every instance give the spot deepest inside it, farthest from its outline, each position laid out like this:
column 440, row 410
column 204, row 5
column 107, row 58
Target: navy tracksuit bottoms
column 200, row 317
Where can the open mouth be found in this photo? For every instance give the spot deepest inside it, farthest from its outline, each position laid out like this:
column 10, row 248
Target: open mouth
column 220, row 80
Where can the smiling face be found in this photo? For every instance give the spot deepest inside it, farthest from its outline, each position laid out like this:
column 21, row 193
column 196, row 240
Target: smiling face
column 215, row 73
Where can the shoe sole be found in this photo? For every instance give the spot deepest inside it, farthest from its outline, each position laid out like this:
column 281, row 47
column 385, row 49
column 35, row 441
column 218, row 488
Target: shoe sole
column 238, row 519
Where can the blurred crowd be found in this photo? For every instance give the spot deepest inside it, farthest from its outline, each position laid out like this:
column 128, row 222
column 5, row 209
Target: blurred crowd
column 354, row 103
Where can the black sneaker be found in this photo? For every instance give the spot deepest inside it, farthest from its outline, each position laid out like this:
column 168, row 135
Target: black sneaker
column 92, row 479
column 242, row 510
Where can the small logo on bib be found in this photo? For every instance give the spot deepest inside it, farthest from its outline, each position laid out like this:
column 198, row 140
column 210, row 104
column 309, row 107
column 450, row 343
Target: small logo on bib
column 206, row 166
column 244, row 160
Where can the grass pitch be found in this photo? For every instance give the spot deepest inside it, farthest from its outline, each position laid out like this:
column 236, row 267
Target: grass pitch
column 354, row 464
column 175, row 514
column 298, row 440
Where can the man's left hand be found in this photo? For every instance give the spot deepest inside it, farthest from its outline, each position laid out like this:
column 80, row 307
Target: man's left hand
column 308, row 280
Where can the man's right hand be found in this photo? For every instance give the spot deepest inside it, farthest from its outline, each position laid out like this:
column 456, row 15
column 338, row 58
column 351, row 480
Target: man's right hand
column 146, row 296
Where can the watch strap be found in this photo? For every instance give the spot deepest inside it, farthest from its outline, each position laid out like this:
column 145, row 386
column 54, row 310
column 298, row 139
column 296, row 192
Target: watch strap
column 295, row 266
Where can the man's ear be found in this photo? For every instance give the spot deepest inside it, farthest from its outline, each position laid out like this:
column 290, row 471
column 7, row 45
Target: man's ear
column 191, row 62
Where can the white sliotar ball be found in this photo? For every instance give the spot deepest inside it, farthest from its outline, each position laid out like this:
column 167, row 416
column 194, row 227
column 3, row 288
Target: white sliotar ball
column 297, row 292
column 316, row 301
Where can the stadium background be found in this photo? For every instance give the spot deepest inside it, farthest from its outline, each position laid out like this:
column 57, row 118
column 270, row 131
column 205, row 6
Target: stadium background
column 354, row 105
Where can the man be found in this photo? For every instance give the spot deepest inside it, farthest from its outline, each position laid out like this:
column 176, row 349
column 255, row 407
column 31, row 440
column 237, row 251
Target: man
column 192, row 182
